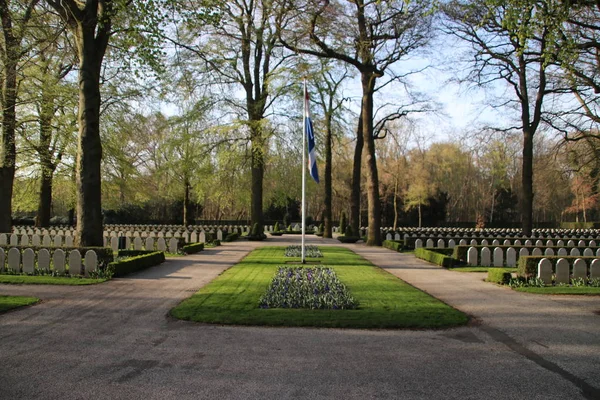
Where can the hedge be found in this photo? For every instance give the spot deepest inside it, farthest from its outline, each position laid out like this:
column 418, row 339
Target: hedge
column 105, row 254
column 134, row 253
column 528, row 265
column 460, row 251
column 499, row 275
column 193, row 248
column 348, row 239
column 435, row 256
column 396, row 245
column 134, row 264
column 231, row 237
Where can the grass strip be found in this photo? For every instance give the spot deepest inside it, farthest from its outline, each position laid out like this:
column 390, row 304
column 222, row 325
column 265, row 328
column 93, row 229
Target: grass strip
column 562, row 290
column 384, row 300
column 48, row 280
column 11, row 302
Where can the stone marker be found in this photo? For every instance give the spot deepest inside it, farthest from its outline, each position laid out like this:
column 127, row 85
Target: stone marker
column 523, row 252
column 2, row 257
column 495, row 242
column 14, row 259
column 24, row 240
column 528, row 243
column 575, row 252
column 114, row 244
column 441, row 244
column 579, row 269
column 14, row 240
column 74, row 263
column 511, row 257
column 57, row 242
column 149, row 243
column 462, row 242
column 451, row 243
column 69, row 241
column 202, row 238
column 595, row 269
column 562, row 252
column 545, row 271
column 472, row 256
column 28, row 261
column 588, row 252
column 562, row 271
column 549, row 243
column 536, row 252
column 429, row 243
column 58, row 259
column 46, row 240
column 506, row 242
column 161, row 245
column 388, row 236
column 173, row 245
column 3, row 239
column 549, row 252
column 36, row 240
column 539, row 243
column 498, row 257
column 91, row 261
column 418, row 244
column 486, row 255
column 570, row 243
column 44, row 260
column 137, row 243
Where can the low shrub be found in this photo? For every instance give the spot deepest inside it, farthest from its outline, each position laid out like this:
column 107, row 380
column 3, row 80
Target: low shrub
column 276, row 233
column 499, row 275
column 435, row 256
column 276, row 227
column 396, row 245
column 134, row 253
column 193, row 248
column 138, row 263
column 348, row 239
column 231, row 237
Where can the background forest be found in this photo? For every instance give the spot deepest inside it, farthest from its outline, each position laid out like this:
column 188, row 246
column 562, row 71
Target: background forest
column 201, row 100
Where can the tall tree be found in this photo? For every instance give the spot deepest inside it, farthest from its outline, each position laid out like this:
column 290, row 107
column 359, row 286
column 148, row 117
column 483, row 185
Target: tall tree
column 15, row 17
column 376, row 35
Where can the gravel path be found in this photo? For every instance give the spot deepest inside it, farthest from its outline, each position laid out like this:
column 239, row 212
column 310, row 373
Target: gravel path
column 115, row 341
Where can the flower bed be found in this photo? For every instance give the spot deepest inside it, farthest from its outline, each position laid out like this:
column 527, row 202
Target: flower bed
column 313, row 288
column 310, row 251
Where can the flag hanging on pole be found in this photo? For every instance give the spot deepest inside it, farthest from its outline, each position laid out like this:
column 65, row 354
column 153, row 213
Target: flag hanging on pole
column 310, row 137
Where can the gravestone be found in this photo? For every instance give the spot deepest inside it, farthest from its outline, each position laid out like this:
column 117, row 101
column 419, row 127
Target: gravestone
column 579, row 269
column 28, row 261
column 592, row 243
column 74, row 263
column 495, row 242
column 3, row 239
column 397, row 236
column 219, row 235
column 549, row 252
column 58, row 259
column 536, row 252
column 202, row 237
column 484, row 242
column 441, row 244
column 24, row 240
column 14, row 240
column 46, row 240
column 194, row 237
column 549, row 243
column 2, row 257
column 114, row 244
column 473, row 242
column 545, row 271
column 523, row 252
column 575, row 252
column 57, row 241
column 149, row 244
column 528, row 243
column 539, row 243
column 560, row 243
column 44, row 260
column 588, row 252
column 486, row 255
column 418, row 244
column 511, row 257
column 506, row 242
column 161, row 245
column 173, row 246
column 137, row 243
column 594, row 269
column 36, row 240
column 429, row 243
column 498, row 257
column 472, row 256
column 462, row 242
column 69, row 240
column 562, row 271
column 570, row 243
column 91, row 261
column 581, row 243
column 562, row 252
column 517, row 242
column 451, row 243
column 14, row 259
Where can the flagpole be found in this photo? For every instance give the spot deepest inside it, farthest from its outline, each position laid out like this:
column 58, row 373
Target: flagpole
column 304, row 174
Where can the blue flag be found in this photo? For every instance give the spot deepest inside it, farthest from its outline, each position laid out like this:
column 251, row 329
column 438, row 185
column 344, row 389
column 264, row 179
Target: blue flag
column 310, row 136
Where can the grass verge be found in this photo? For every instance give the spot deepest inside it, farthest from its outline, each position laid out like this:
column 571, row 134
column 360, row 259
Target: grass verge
column 481, row 269
column 10, row 302
column 48, row 280
column 590, row 291
column 384, row 300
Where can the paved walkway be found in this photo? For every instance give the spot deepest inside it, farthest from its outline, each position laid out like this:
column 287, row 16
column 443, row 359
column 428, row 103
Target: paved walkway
column 115, row 341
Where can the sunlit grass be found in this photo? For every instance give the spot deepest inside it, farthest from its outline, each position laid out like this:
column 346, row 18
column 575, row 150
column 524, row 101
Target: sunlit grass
column 10, row 302
column 48, row 280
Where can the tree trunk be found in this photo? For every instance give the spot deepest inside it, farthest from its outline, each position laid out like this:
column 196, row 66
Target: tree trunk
column 258, row 172
column 374, row 206
column 47, row 166
column 89, row 152
column 186, row 201
column 356, row 175
column 8, row 148
column 395, row 202
column 419, row 208
column 527, row 182
column 327, row 214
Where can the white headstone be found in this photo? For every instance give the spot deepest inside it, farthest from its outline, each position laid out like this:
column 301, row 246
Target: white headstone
column 536, row 252
column 219, row 235
column 173, row 246
column 24, row 240
column 69, row 241
column 44, row 260
column 575, row 252
column 592, row 243
column 397, row 236
column 473, row 242
column 418, row 243
column 595, row 269
column 581, row 243
column 46, row 240
column 429, row 243
column 579, row 269
column 498, row 257
column 161, row 245
column 91, row 261
column 451, row 243
column 562, row 271
column 560, row 243
column 495, row 242
column 570, row 243
column 588, row 252
column 14, row 240
column 57, row 241
column 517, row 242
column 486, row 255
column 539, row 243
column 388, row 236
column 74, row 262
column 28, row 261
column 462, row 242
column 523, row 252
column 36, row 240
column 3, row 239
column 511, row 257
column 114, row 244
column 506, row 242
column 549, row 252
column 441, row 244
column 137, row 243
column 149, row 244
column 528, row 243
column 14, row 259
column 545, row 271
column 484, row 242
column 472, row 256
column 562, row 252
column 202, row 237
column 2, row 257
column 549, row 243
column 194, row 237
column 58, row 259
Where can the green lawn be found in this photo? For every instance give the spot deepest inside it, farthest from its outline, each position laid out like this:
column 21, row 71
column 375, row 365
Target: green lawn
column 384, row 300
column 10, row 302
column 593, row 291
column 48, row 280
column 480, row 269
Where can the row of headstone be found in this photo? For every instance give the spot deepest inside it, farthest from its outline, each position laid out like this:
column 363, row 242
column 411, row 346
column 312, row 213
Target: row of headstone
column 451, row 243
column 563, row 270
column 25, row 262
column 36, row 240
column 160, row 244
column 486, row 258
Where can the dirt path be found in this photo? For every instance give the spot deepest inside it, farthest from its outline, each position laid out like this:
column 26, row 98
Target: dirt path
column 115, row 341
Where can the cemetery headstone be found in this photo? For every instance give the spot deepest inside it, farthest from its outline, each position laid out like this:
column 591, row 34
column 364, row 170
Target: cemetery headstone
column 594, row 269
column 562, row 252
column 511, row 257
column 2, row 257
column 74, row 263
column 536, row 252
column 472, row 256
column 523, row 252
column 486, row 255
column 418, row 244
column 69, row 240
column 498, row 257
column 91, row 261
column 562, row 271
column 14, row 259
column 549, row 252
column 36, row 240
column 161, row 245
column 173, row 245
column 579, row 269
column 28, row 261
column 14, row 240
column 46, row 240
column 137, row 243
column 441, row 244
column 451, row 243
column 575, row 252
column 545, row 271
column 44, row 260
column 58, row 259
column 429, row 243
column 3, row 239
column 24, row 240
column 57, row 241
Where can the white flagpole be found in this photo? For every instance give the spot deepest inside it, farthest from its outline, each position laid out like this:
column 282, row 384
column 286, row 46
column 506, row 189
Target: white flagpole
column 304, row 174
